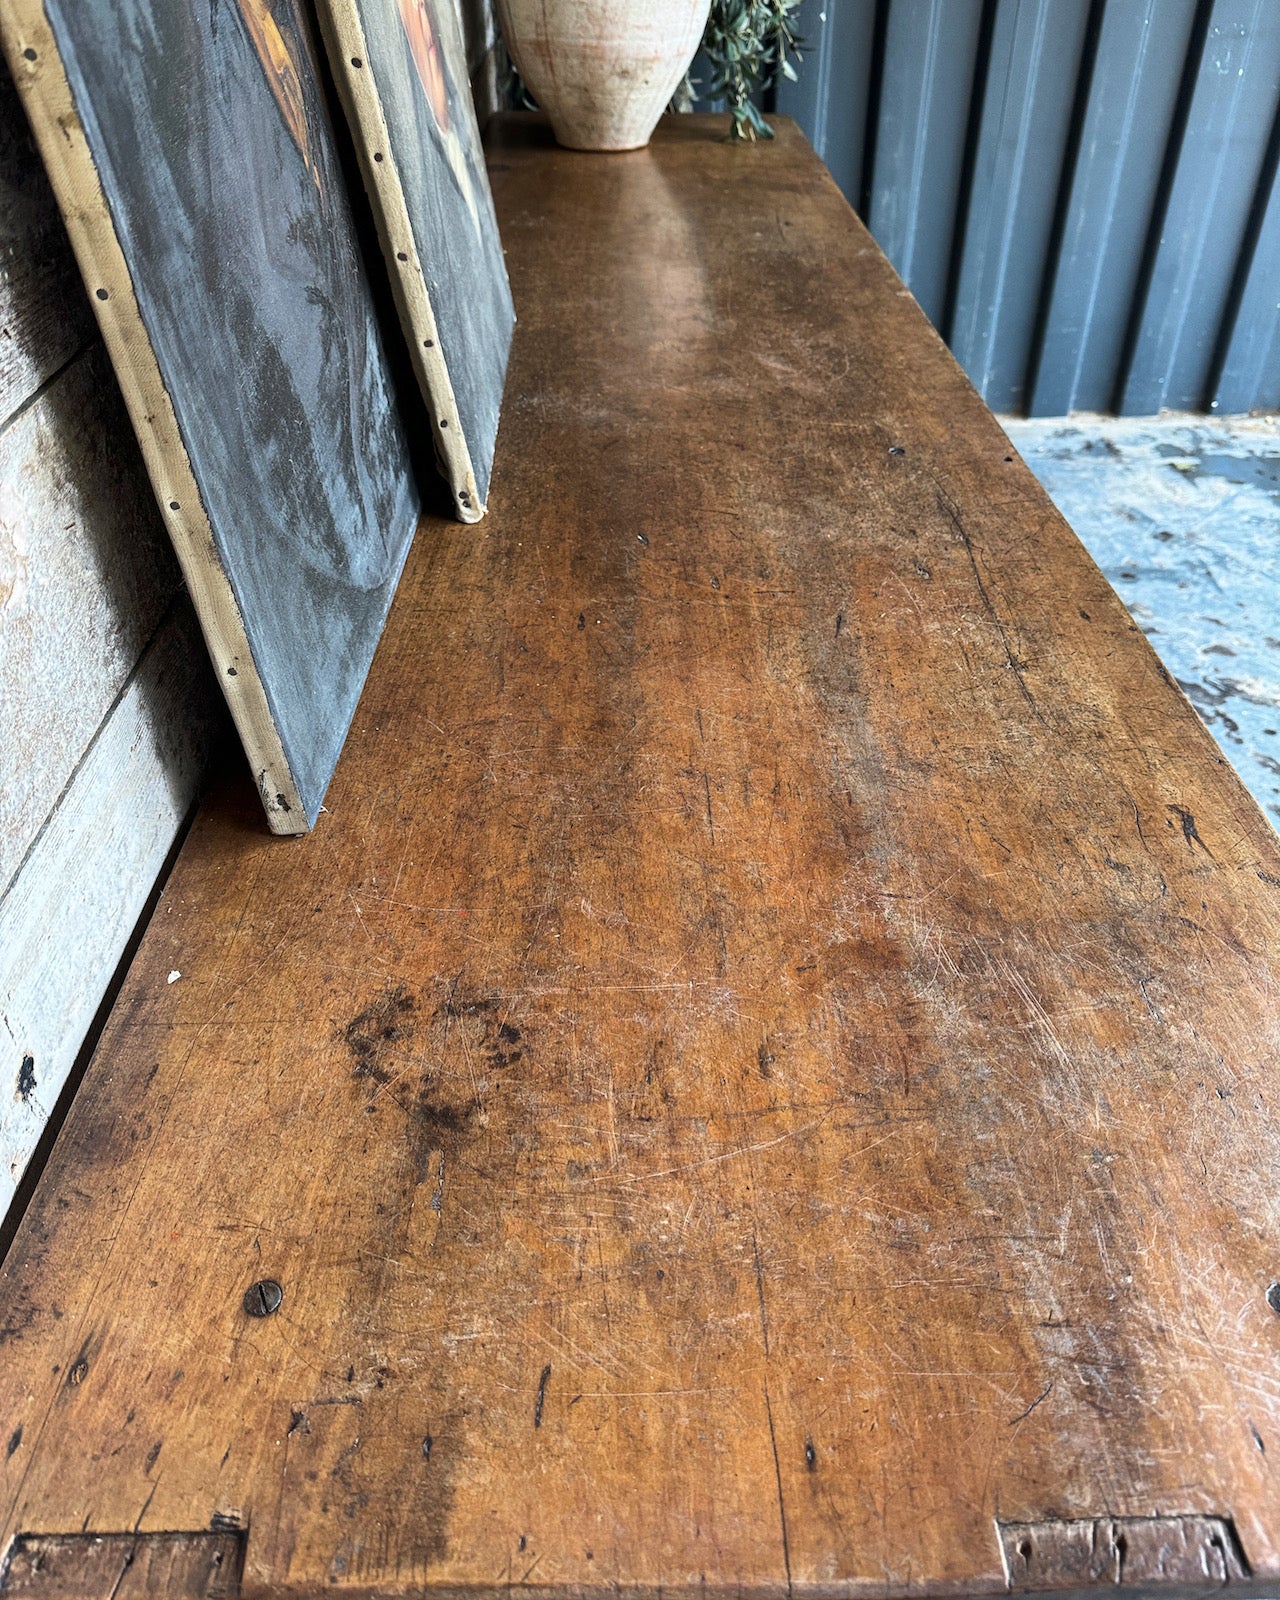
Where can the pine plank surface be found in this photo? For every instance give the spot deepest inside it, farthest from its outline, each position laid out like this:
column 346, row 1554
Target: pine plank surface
column 762, row 1081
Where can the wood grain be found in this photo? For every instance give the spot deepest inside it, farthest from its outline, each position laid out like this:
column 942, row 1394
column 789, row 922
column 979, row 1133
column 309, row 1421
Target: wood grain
column 44, row 319
column 764, row 1076
column 124, row 1566
column 86, row 574
column 70, row 912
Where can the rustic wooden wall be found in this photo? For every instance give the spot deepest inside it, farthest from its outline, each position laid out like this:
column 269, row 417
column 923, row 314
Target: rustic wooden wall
column 108, row 703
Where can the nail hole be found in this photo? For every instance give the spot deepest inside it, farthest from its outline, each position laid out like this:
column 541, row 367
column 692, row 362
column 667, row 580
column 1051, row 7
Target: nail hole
column 377, row 155
column 232, row 673
column 101, row 294
column 29, row 54
column 174, row 506
column 400, row 256
column 428, row 344
column 444, row 422
column 356, row 61
column 896, row 450
column 1273, row 1297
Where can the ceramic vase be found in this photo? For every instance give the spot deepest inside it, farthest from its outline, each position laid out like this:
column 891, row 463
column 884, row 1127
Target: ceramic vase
column 603, row 70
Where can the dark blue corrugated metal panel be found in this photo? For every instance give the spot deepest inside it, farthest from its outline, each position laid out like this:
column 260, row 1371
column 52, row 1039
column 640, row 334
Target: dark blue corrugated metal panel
column 1213, row 192
column 1080, row 192
column 830, row 98
column 1036, row 47
column 1130, row 108
column 1251, row 363
column 926, row 77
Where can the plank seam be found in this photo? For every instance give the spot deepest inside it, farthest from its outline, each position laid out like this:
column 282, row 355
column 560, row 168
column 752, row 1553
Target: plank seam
column 42, row 388
column 131, row 678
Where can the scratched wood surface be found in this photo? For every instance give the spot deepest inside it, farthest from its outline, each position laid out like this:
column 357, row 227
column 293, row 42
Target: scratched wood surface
column 763, row 1079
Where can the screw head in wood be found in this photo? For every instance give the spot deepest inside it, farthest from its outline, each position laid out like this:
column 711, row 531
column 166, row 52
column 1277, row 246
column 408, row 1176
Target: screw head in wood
column 263, row 1297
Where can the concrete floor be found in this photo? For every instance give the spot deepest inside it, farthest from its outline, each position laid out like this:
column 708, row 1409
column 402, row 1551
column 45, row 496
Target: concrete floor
column 1182, row 513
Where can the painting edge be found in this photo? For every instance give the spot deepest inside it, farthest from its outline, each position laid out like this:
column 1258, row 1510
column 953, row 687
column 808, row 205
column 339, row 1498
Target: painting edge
column 345, row 43
column 39, row 75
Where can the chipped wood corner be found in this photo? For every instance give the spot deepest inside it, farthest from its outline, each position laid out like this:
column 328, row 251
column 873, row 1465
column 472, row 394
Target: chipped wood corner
column 38, row 73
column 345, row 41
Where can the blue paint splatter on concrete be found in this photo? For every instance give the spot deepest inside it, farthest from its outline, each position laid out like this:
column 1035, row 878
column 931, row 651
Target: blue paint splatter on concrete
column 1183, row 516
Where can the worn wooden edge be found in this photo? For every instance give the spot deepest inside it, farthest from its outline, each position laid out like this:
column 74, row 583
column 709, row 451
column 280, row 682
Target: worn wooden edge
column 345, row 41
column 1165, row 1555
column 179, row 1566
column 32, row 53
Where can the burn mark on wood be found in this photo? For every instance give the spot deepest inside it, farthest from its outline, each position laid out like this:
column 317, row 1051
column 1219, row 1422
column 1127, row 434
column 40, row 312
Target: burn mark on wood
column 15, row 1439
column 371, row 1033
column 495, row 1038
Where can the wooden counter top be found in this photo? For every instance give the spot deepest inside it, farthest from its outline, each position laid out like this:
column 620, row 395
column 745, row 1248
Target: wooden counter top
column 764, row 1079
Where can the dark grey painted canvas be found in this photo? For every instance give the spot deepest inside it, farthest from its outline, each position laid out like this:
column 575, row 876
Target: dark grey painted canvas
column 208, row 128
column 417, row 59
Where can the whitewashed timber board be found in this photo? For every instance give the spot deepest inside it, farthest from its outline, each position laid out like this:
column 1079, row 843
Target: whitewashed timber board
column 401, row 69
column 68, row 916
column 86, row 573
column 44, row 317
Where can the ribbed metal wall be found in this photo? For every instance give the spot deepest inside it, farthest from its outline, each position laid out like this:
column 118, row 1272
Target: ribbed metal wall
column 1082, row 194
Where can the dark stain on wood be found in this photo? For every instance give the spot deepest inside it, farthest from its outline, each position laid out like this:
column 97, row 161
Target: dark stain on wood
column 982, row 1159
column 376, row 1033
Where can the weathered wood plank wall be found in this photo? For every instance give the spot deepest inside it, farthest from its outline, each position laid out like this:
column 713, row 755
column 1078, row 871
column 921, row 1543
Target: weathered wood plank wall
column 109, row 705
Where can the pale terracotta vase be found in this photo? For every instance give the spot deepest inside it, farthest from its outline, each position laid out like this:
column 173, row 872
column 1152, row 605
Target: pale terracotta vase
column 603, row 70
